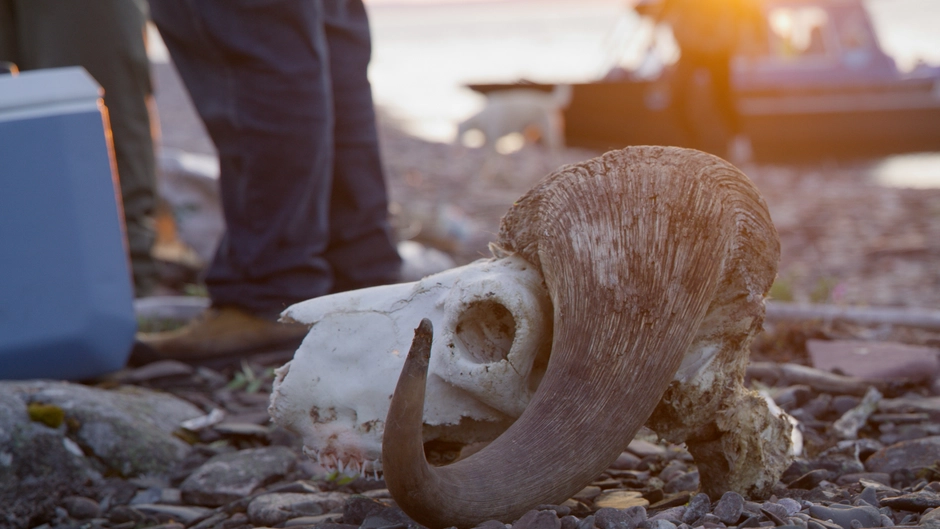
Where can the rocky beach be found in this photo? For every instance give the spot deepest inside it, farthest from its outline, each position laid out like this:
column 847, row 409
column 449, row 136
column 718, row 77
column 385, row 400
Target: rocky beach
column 174, row 446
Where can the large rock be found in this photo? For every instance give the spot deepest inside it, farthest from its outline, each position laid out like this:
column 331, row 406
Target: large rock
column 914, row 455
column 75, row 434
column 129, row 430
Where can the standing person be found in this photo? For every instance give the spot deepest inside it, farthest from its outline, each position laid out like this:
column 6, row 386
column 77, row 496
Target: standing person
column 282, row 89
column 106, row 37
column 709, row 34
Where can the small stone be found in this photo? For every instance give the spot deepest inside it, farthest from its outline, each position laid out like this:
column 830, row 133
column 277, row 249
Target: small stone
column 577, row 508
column 587, row 493
column 389, row 518
column 608, row 518
column 885, row 521
column 151, row 495
column 627, row 461
column 729, row 508
column 661, row 524
column 688, row 481
column 870, row 496
column 698, row 506
column 620, row 499
column 775, row 508
column 123, row 513
column 811, row 479
column 821, row 524
column 242, row 429
column 792, row 506
column 357, row 508
column 185, row 514
column 773, row 515
column 228, row 477
column 915, row 502
column 643, row 448
column 275, row 508
column 559, row 510
column 867, row 516
column 929, row 519
column 316, row 520
column 638, row 513
column 672, row 514
column 587, row 522
column 170, row 496
column 882, row 479
column 535, row 519
column 673, row 500
column 81, row 508
column 155, row 370
column 567, row 522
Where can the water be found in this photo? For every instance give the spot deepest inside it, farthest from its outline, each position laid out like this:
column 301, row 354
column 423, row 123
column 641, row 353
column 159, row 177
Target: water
column 426, row 51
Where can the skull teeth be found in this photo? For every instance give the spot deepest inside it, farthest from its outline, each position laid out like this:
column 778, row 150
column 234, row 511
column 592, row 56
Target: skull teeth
column 344, row 467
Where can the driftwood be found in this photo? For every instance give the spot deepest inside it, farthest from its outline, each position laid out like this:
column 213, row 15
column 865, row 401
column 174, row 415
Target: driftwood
column 908, row 317
column 819, row 380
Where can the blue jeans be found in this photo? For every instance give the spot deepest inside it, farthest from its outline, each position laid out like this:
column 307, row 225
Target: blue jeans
column 282, row 89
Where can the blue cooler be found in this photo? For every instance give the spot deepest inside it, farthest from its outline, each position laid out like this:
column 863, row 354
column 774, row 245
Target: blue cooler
column 66, row 295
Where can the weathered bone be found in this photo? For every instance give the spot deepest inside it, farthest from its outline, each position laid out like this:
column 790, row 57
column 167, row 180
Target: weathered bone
column 642, row 273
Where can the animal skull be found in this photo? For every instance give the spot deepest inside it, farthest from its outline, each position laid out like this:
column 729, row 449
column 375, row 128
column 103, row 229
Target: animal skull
column 494, row 322
column 624, row 290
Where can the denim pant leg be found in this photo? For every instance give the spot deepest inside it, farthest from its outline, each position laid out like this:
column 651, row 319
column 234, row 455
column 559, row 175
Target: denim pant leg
column 361, row 251
column 258, row 74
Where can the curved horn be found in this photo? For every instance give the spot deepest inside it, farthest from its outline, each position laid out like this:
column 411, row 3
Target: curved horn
column 633, row 246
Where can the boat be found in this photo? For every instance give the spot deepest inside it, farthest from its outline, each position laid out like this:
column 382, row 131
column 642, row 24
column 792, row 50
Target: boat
column 822, row 88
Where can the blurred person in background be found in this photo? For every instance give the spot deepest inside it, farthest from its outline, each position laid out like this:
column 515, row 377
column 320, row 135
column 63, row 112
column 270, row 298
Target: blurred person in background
column 709, row 34
column 282, row 89
column 106, row 37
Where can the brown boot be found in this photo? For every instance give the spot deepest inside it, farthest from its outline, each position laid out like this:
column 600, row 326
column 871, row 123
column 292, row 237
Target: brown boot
column 222, row 332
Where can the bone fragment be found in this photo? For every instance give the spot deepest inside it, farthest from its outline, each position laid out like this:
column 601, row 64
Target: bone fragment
column 852, row 421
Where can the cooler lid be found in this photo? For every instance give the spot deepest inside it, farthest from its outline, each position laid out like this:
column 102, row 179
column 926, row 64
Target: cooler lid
column 51, row 88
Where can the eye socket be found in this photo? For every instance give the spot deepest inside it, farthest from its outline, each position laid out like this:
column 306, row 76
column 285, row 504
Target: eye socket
column 485, row 331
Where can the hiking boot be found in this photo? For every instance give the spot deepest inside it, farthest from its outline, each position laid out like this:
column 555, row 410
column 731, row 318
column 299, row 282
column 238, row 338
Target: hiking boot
column 223, row 332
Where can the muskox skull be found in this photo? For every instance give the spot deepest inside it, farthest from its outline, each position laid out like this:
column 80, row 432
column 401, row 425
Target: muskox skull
column 647, row 266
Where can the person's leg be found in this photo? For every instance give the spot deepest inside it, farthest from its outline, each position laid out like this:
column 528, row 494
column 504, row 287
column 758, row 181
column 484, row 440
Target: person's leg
column 259, row 77
column 361, row 251
column 106, row 37
column 722, row 92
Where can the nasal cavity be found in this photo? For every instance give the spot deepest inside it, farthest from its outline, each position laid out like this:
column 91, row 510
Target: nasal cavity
column 485, row 331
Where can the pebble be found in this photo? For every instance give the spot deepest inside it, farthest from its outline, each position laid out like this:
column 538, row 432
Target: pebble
column 536, row 519
column 915, row 502
column 729, row 508
column 845, row 515
column 275, row 508
column 228, row 477
column 620, row 499
column 608, row 518
column 698, row 507
column 81, row 508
